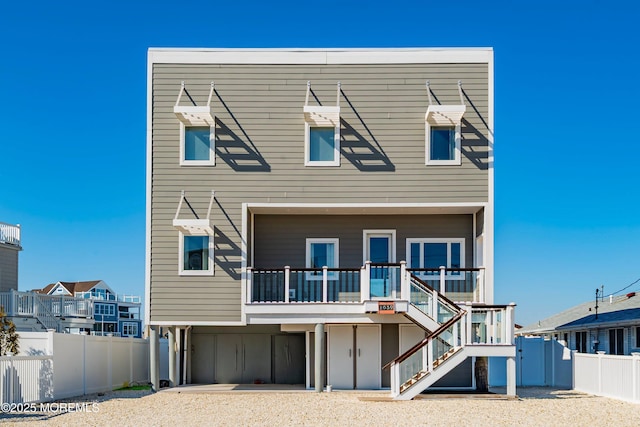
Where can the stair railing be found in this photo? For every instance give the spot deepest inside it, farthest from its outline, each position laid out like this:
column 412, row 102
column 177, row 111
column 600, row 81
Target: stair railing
column 426, row 355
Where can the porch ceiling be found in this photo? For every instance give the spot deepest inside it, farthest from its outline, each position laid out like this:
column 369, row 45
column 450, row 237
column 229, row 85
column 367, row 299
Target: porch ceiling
column 362, row 209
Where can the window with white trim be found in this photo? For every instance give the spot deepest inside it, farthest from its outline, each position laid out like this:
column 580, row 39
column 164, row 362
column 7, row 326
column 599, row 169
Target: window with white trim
column 104, row 309
column 435, row 253
column 129, row 329
column 443, row 131
column 321, row 132
column 616, row 341
column 197, row 145
column 320, row 253
column 582, row 342
column 637, row 328
column 443, row 142
column 197, row 131
column 196, row 255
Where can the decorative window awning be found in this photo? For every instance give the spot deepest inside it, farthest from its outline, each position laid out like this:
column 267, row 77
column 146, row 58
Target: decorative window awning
column 445, row 115
column 318, row 115
column 197, row 226
column 194, row 115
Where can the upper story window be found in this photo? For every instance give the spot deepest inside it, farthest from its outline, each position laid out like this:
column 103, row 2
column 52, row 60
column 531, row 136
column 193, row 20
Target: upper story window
column 321, row 133
column 197, row 145
column 104, row 309
column 443, row 133
column 197, row 132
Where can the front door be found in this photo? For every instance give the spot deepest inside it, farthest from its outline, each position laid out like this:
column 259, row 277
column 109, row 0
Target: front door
column 354, row 356
column 379, row 248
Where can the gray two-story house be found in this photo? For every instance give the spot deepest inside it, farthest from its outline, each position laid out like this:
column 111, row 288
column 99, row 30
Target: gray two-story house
column 323, row 216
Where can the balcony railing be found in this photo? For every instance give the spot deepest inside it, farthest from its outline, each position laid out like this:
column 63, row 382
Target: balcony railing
column 31, row 304
column 9, row 234
column 458, row 284
column 304, row 285
column 356, row 285
column 109, row 297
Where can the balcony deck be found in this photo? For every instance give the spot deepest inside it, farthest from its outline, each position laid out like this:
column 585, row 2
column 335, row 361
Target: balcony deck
column 10, row 235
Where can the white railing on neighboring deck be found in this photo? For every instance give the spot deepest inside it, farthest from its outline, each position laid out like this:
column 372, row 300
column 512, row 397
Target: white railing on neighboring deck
column 10, row 234
column 47, row 309
column 372, row 281
column 110, row 297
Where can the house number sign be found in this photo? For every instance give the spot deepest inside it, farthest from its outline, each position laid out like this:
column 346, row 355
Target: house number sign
column 385, row 307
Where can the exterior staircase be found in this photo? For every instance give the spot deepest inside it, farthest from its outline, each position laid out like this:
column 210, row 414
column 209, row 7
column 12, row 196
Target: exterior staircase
column 449, row 339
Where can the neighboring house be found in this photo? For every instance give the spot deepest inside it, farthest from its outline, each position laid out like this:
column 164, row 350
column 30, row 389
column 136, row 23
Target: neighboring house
column 112, row 313
column 9, row 248
column 331, row 205
column 615, row 329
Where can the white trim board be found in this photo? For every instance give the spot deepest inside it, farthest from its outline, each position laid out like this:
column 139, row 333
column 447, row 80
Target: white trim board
column 320, row 56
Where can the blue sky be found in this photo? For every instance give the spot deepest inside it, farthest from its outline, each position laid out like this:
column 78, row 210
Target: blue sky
column 73, row 117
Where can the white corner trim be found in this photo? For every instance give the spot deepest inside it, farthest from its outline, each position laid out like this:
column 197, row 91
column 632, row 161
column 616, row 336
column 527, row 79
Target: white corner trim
column 149, row 174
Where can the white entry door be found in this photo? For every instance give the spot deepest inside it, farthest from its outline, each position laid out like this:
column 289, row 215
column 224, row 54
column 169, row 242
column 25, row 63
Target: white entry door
column 354, row 356
column 340, row 356
column 368, row 367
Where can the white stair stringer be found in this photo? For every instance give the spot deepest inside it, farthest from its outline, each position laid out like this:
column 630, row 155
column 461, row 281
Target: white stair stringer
column 439, row 371
column 421, row 319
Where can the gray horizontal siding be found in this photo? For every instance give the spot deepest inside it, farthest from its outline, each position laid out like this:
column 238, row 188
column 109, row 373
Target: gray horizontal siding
column 280, row 239
column 8, row 268
column 260, row 157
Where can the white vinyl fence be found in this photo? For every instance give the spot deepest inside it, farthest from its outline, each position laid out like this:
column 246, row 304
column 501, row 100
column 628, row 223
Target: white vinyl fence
column 607, row 375
column 54, row 366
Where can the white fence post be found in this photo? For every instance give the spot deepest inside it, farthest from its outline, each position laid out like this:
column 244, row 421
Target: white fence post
column 443, row 280
column 634, row 369
column 600, row 354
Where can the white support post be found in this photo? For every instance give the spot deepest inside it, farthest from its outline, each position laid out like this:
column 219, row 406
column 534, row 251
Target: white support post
column 494, row 327
column 395, row 377
column 509, row 324
column 425, row 358
column 325, row 277
column 455, row 334
column 482, row 297
column 443, row 280
column 173, row 377
column 469, row 309
column 434, row 306
column 287, row 270
column 511, row 376
column 429, row 350
column 463, row 327
column 365, row 282
column 249, row 284
column 405, row 292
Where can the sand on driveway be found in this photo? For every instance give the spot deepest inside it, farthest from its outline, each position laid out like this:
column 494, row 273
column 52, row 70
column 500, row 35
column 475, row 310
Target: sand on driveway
column 536, row 407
